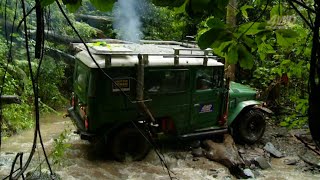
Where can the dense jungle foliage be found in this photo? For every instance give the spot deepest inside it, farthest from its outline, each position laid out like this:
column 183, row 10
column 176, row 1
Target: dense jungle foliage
column 270, row 45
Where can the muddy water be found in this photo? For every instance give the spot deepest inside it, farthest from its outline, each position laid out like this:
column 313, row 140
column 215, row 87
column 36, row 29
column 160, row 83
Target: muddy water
column 83, row 161
column 280, row 171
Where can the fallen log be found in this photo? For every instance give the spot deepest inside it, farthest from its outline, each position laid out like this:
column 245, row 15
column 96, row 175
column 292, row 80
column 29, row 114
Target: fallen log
column 10, row 99
column 309, row 145
column 225, row 153
column 93, row 20
column 60, row 55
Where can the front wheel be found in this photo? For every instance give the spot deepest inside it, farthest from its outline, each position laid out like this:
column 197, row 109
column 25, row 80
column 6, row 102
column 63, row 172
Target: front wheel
column 250, row 126
column 129, row 144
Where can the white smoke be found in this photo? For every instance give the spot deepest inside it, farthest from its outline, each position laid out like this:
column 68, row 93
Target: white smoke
column 127, row 20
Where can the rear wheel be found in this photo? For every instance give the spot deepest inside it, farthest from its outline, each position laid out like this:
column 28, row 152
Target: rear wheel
column 129, row 144
column 250, row 126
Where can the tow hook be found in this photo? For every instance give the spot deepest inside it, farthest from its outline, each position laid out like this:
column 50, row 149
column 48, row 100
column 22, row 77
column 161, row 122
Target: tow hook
column 66, row 115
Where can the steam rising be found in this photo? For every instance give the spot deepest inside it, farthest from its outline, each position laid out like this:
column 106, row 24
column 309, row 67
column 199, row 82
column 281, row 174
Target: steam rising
column 127, row 20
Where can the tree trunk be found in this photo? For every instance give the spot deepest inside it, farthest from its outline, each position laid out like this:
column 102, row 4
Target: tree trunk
column 314, row 97
column 232, row 22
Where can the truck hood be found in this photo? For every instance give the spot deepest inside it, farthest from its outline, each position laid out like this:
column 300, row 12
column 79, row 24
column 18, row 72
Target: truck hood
column 237, row 89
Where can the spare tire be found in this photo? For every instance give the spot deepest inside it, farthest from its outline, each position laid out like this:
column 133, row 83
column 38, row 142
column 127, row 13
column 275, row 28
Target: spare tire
column 249, row 126
column 129, row 144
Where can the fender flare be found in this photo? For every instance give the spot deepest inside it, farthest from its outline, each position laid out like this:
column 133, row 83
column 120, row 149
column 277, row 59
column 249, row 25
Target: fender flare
column 245, row 105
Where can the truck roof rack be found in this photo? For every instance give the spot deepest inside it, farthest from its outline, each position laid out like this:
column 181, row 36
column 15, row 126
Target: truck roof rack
column 159, row 53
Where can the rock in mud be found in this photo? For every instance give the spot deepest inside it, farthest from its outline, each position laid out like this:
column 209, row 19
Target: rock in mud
column 250, row 155
column 242, row 151
column 259, row 151
column 262, row 162
column 197, row 152
column 291, row 160
column 248, row 173
column 269, row 147
column 43, row 175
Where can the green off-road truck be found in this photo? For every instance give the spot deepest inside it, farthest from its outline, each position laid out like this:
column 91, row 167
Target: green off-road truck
column 133, row 94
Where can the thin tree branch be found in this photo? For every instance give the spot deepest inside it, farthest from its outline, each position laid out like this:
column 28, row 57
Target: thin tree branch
column 24, row 17
column 256, row 20
column 301, row 15
column 310, row 19
column 303, row 5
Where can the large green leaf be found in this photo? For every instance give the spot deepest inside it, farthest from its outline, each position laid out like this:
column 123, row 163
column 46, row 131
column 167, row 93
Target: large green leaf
column 276, row 10
column 249, row 42
column 181, row 9
column 207, row 38
column 199, row 8
column 286, row 37
column 103, row 5
column 232, row 56
column 213, row 37
column 72, row 5
column 281, row 40
column 199, row 5
column 252, row 28
column 222, row 48
column 264, row 49
column 288, row 33
column 218, row 8
column 170, row 3
column 244, row 10
column 46, row 2
column 246, row 59
column 215, row 23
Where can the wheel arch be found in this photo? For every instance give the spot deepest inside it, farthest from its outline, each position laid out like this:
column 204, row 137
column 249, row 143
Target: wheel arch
column 244, row 106
column 121, row 133
column 108, row 130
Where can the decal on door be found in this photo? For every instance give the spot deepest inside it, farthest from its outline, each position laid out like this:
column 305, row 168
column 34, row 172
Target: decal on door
column 205, row 108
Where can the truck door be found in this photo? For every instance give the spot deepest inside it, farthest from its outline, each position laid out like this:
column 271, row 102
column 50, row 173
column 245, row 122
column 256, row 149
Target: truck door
column 206, row 98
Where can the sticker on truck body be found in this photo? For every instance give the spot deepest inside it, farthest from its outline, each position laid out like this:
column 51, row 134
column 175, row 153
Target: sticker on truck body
column 206, row 108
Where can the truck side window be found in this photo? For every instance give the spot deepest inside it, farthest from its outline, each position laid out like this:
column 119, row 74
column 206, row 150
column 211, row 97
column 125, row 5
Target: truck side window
column 81, row 78
column 204, row 79
column 167, row 81
column 209, row 77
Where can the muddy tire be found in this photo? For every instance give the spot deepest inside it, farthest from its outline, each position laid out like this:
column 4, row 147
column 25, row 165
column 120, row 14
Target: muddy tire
column 129, row 144
column 249, row 127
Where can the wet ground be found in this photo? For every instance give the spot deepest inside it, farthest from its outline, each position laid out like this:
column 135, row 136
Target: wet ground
column 81, row 162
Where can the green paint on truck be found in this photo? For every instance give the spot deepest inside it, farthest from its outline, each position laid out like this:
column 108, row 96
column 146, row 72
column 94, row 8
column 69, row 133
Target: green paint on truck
column 184, row 89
